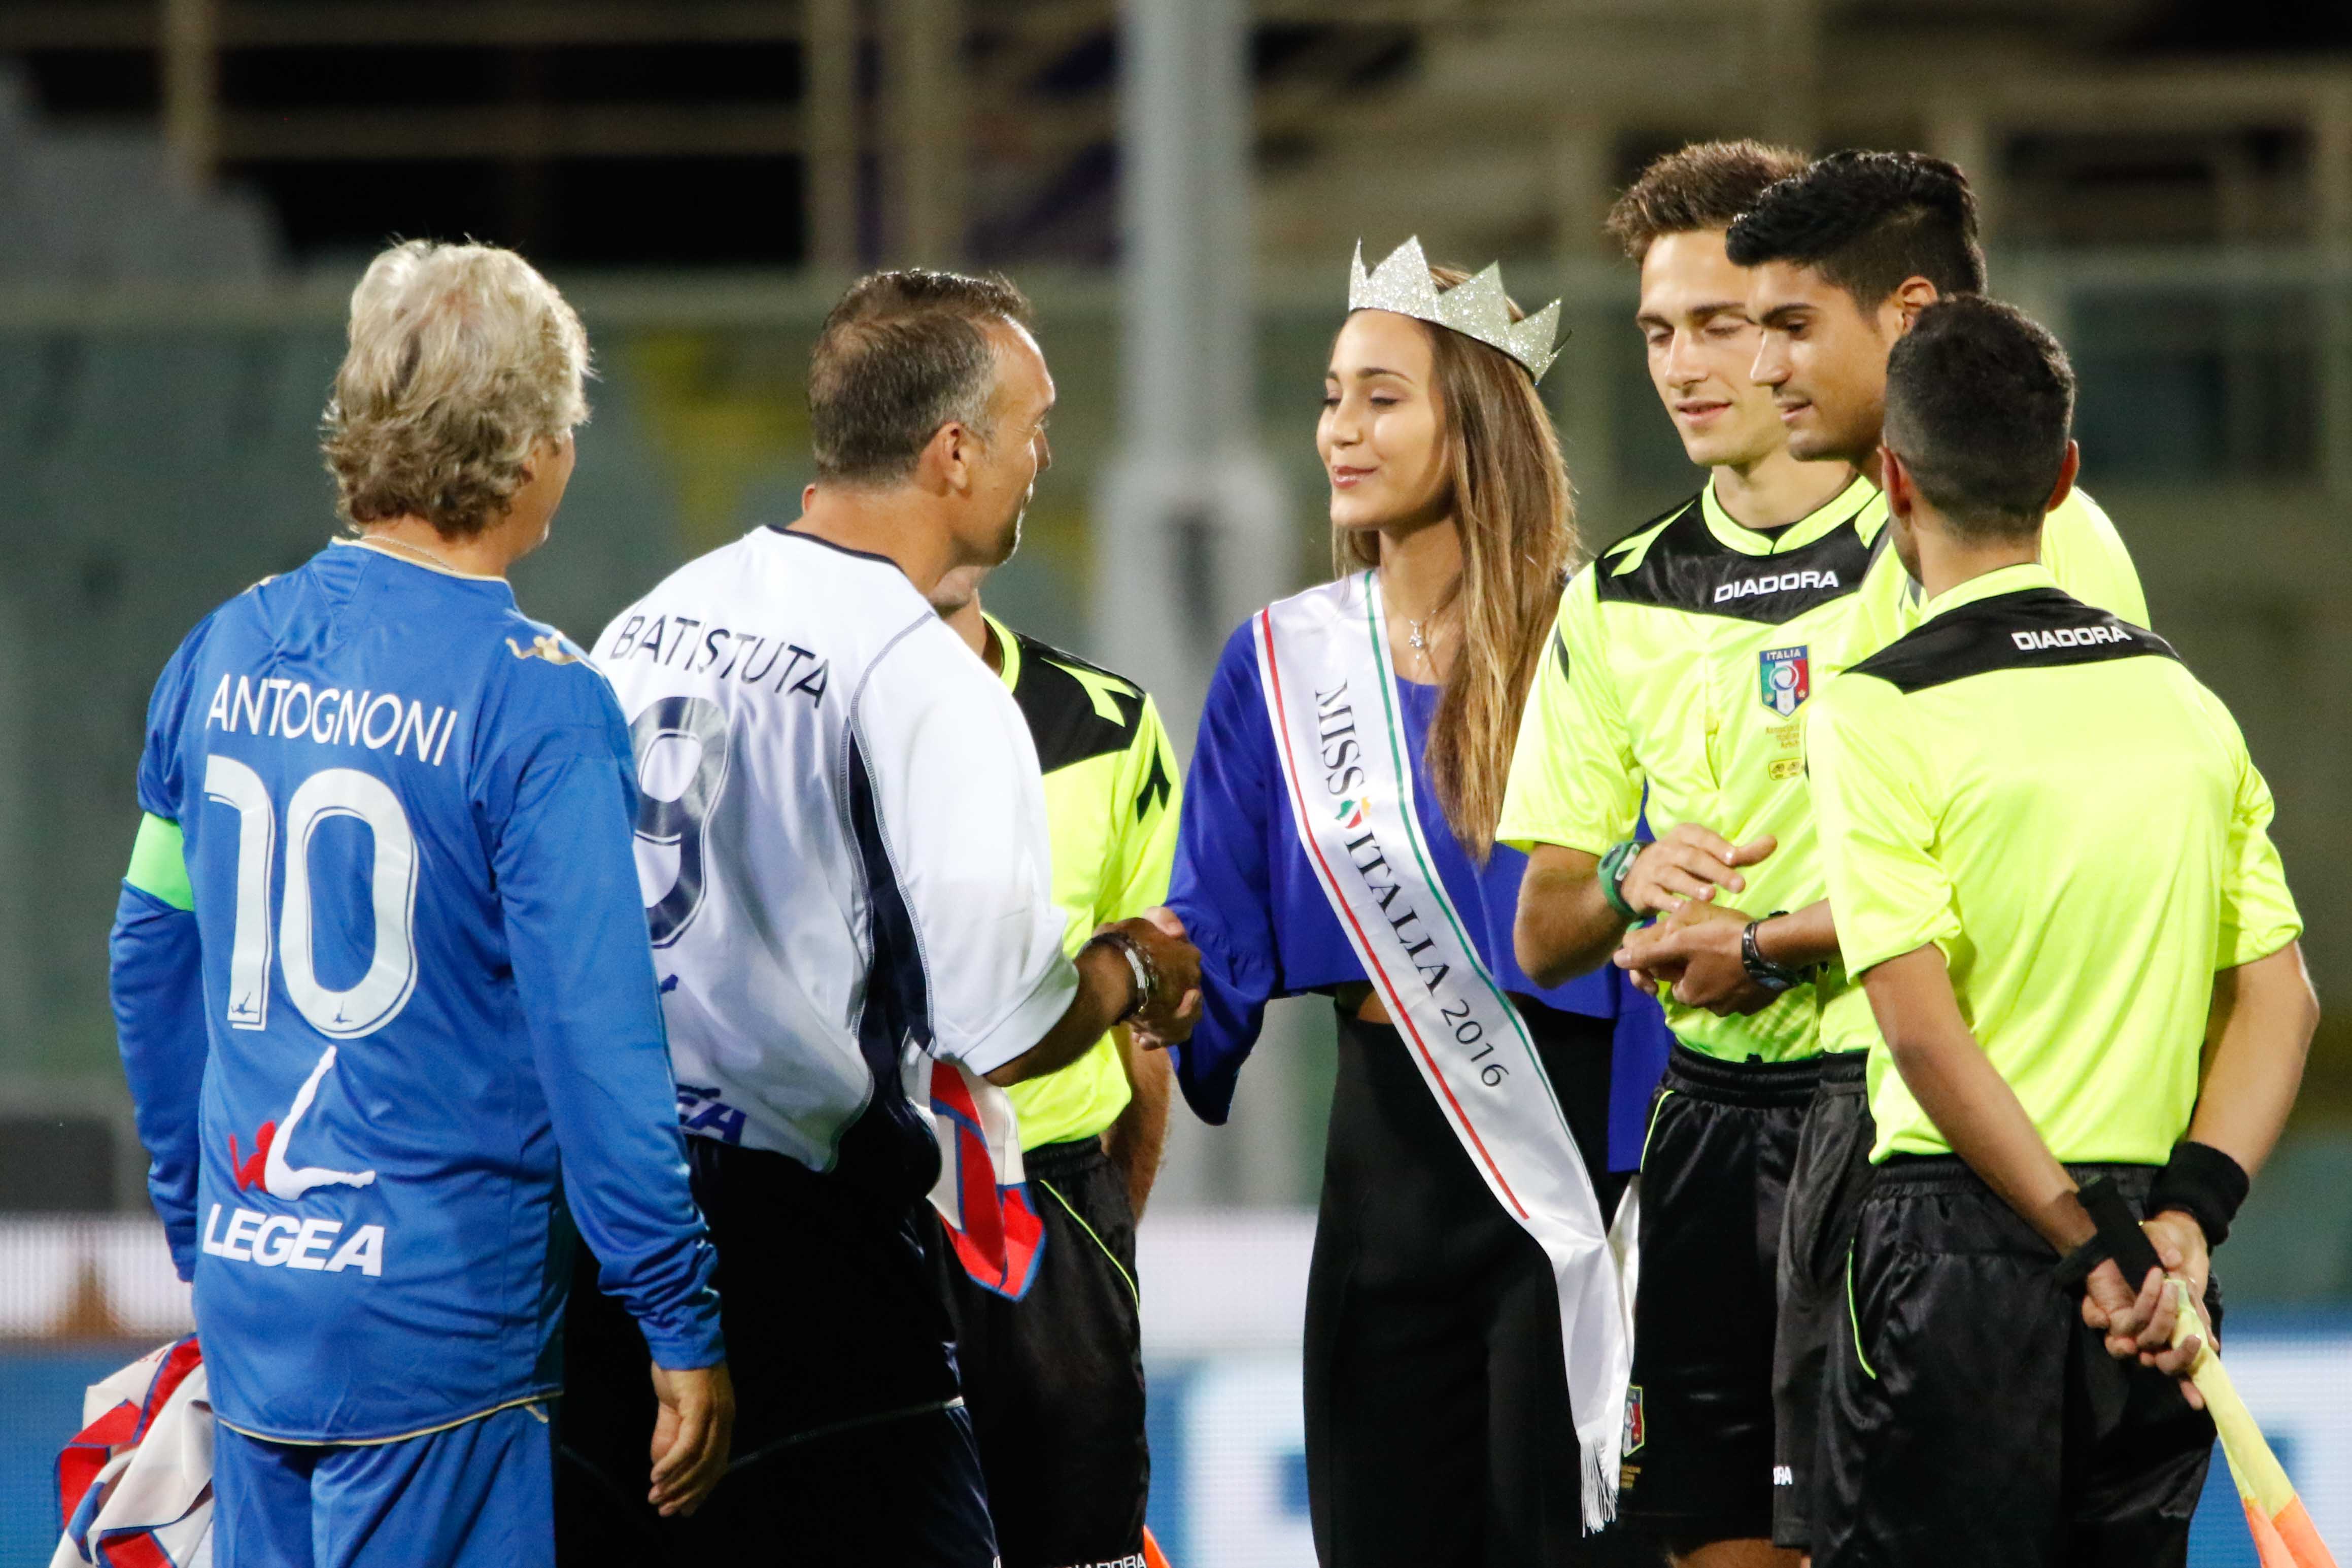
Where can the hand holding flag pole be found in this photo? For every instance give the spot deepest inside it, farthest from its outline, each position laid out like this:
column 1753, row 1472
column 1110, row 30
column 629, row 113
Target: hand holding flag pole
column 2283, row 1531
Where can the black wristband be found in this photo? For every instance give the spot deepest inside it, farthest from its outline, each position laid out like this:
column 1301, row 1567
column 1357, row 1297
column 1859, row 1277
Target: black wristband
column 2119, row 1230
column 2203, row 1183
column 2076, row 1266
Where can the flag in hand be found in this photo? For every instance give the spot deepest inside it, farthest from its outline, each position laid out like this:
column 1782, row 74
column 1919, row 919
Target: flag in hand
column 2284, row 1536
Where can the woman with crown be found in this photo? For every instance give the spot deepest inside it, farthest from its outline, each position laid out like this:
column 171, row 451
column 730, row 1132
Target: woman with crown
column 1466, row 1327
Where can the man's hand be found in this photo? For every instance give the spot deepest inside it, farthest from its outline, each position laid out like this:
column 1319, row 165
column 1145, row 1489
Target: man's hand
column 2141, row 1327
column 692, row 1431
column 1174, row 1005
column 1690, row 862
column 2151, row 1317
column 1697, row 950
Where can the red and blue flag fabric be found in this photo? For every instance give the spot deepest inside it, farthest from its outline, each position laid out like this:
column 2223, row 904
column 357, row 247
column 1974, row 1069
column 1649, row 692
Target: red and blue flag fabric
column 134, row 1485
column 983, row 1191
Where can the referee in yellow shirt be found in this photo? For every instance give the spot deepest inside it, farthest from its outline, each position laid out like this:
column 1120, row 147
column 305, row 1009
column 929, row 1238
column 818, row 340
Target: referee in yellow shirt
column 1054, row 1380
column 2050, row 860
column 1683, row 664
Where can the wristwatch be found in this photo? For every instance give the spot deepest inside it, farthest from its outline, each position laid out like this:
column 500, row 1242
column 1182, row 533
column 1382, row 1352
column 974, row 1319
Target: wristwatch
column 1774, row 977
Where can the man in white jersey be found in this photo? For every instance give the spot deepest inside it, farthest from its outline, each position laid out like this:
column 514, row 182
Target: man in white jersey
column 844, row 852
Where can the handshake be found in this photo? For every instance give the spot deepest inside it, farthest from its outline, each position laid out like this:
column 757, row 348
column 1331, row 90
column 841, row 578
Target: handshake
column 1164, row 973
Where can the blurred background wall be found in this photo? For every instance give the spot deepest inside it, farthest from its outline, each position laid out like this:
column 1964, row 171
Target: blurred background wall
column 188, row 189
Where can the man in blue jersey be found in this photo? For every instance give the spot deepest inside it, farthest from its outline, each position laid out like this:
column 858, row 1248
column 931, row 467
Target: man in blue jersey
column 381, row 977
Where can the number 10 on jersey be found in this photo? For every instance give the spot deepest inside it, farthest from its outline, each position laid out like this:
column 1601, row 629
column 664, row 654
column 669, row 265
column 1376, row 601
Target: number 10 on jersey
column 391, row 977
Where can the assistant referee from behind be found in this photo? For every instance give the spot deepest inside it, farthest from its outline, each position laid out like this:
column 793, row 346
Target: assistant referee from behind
column 2050, row 857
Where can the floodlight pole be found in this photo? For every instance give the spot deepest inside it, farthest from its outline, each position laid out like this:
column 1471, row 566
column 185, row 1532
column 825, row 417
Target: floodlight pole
column 191, row 73
column 829, row 45
column 1190, row 529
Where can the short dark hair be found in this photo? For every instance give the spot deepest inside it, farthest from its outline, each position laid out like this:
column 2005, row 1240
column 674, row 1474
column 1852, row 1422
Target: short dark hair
column 1704, row 186
column 1868, row 222
column 1979, row 406
column 903, row 353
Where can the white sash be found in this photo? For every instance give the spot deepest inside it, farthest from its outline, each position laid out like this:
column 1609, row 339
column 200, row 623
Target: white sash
column 1341, row 743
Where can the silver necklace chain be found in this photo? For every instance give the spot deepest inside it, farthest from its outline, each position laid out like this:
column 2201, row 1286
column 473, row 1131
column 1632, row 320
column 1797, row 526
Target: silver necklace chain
column 385, row 541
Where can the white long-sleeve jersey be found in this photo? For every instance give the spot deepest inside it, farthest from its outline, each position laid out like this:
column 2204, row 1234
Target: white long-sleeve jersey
column 843, row 850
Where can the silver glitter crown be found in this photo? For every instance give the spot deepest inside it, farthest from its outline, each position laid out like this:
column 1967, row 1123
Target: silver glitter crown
column 1476, row 309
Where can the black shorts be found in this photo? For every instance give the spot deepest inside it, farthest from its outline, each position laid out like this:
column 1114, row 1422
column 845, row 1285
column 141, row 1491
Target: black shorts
column 1826, row 1186
column 1055, row 1380
column 852, row 1445
column 1972, row 1418
column 1700, row 1424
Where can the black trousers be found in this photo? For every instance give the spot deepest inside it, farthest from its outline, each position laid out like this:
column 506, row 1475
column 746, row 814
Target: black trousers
column 1972, row 1418
column 1830, row 1176
column 1438, row 1432
column 852, row 1445
column 1055, row 1380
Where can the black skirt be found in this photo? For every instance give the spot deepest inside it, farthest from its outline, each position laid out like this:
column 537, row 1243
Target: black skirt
column 1438, row 1432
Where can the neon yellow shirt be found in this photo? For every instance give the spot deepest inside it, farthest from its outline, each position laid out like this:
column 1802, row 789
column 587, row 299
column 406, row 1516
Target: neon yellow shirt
column 1683, row 661
column 1112, row 794
column 2048, row 795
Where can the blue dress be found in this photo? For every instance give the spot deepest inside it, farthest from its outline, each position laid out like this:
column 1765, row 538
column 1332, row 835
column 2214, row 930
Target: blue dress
column 1249, row 897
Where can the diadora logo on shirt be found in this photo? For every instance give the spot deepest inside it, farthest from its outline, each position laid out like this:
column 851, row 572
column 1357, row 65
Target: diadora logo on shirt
column 1786, row 678
column 1774, row 583
column 2068, row 636
column 276, row 1240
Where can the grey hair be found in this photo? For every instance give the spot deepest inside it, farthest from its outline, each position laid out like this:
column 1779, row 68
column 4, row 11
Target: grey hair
column 462, row 358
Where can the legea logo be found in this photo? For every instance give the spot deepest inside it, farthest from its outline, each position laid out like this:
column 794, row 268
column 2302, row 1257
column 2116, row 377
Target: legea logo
column 267, row 1168
column 275, row 1241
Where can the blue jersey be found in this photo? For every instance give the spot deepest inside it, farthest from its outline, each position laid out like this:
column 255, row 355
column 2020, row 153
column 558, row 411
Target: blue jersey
column 427, row 1014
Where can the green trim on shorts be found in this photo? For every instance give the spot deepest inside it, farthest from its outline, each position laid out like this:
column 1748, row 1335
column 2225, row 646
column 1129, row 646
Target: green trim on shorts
column 1097, row 1240
column 1642, row 1164
column 159, row 863
column 1854, row 1318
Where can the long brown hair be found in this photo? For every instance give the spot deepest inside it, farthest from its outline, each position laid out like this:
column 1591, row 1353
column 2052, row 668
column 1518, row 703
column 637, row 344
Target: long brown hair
column 1510, row 501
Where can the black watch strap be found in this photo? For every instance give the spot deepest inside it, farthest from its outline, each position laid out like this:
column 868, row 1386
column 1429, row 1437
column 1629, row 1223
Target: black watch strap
column 1763, row 971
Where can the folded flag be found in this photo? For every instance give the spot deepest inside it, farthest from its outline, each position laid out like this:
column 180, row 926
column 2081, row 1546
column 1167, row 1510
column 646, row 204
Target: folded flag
column 134, row 1485
column 983, row 1191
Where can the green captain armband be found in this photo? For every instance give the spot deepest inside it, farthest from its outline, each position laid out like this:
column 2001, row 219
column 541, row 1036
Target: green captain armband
column 158, row 864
